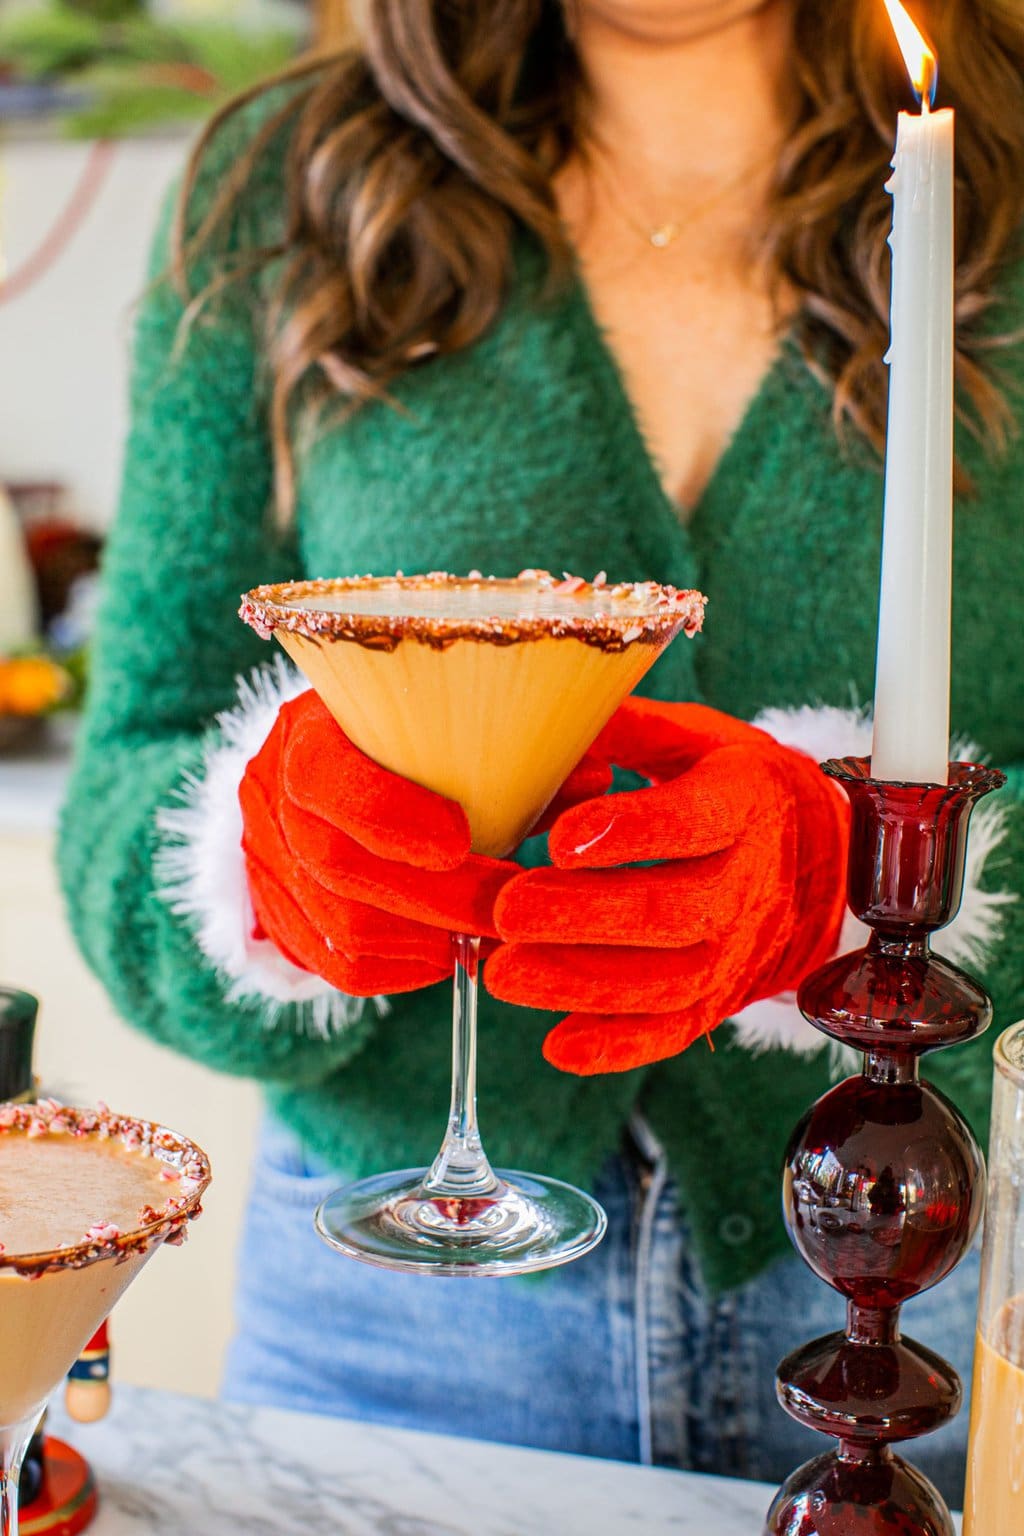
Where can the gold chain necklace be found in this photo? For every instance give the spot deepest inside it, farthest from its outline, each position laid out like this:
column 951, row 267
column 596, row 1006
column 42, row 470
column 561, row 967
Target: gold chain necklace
column 664, row 234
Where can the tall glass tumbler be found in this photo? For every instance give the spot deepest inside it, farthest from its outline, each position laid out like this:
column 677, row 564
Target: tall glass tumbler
column 995, row 1473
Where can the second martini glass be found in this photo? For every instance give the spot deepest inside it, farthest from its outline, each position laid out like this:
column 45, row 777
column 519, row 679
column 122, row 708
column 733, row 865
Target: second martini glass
column 86, row 1199
column 489, row 692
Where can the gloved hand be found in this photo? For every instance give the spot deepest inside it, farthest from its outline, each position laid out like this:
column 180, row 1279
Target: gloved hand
column 355, row 873
column 746, row 846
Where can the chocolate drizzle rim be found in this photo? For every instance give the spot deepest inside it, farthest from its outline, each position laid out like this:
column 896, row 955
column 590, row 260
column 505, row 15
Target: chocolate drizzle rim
column 48, row 1117
column 664, row 611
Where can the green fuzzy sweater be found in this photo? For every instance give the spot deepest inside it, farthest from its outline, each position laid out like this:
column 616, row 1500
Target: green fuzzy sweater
column 520, row 452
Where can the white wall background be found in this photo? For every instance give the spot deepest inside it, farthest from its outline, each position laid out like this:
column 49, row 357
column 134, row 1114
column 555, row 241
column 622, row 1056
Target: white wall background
column 64, row 354
column 64, row 345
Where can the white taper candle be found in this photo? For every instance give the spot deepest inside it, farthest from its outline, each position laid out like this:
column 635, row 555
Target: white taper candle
column 911, row 733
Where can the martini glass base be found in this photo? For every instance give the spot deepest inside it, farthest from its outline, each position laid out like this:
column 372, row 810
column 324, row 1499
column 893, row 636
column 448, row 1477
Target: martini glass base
column 396, row 1221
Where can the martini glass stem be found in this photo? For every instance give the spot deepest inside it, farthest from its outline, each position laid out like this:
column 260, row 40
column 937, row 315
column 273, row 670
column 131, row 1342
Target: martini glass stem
column 14, row 1442
column 460, row 1170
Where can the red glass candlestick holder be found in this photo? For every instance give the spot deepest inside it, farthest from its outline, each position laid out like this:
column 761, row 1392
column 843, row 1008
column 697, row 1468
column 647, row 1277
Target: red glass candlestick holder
column 884, row 1179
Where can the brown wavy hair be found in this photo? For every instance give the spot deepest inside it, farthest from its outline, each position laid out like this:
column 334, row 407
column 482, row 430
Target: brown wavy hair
column 414, row 155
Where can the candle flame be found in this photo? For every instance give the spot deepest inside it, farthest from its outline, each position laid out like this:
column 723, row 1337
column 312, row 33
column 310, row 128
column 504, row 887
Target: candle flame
column 922, row 65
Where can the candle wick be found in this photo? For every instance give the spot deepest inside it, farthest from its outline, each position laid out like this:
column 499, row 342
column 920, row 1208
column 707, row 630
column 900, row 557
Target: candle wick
column 929, row 83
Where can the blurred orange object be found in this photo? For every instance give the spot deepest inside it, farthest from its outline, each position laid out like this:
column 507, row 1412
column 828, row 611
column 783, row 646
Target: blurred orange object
column 31, row 685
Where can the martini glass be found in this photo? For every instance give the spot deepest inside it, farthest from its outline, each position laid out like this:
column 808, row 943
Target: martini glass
column 86, row 1198
column 489, row 692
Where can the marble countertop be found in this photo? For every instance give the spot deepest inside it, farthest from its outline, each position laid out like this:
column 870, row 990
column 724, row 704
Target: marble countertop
column 175, row 1466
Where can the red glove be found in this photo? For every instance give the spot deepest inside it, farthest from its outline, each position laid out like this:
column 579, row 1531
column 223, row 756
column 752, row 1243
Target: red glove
column 355, row 873
column 745, row 898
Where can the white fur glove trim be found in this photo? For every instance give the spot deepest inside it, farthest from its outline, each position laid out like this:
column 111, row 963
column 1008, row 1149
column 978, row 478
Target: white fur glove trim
column 776, row 1023
column 201, row 874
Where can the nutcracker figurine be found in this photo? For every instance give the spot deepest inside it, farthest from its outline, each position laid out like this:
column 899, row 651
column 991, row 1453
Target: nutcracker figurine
column 87, row 1394
column 58, row 1496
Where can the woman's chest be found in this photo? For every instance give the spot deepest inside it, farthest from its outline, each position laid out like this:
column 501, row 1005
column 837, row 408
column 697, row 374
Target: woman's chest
column 524, row 453
column 693, row 345
column 515, row 455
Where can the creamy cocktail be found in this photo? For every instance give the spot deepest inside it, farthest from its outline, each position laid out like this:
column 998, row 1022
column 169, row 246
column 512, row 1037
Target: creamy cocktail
column 994, row 1504
column 86, row 1197
column 488, row 692
column 995, row 1474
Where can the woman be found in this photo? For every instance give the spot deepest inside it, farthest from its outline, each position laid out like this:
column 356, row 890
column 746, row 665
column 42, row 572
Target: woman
column 517, row 285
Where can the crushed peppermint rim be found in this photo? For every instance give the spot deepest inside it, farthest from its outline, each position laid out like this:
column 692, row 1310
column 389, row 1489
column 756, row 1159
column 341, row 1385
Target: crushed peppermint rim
column 186, row 1164
column 607, row 615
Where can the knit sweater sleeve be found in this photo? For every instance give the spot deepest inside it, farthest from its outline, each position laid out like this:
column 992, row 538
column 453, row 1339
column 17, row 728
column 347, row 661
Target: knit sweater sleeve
column 965, row 1073
column 192, row 532
column 995, row 732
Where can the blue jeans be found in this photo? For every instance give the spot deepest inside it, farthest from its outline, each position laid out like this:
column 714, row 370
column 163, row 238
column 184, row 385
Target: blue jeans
column 622, row 1354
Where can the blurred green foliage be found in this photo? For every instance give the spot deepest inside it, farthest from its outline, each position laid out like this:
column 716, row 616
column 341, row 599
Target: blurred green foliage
column 129, row 71
column 108, row 10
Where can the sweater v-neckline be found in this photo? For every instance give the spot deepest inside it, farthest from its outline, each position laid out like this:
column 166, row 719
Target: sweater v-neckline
column 689, row 534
